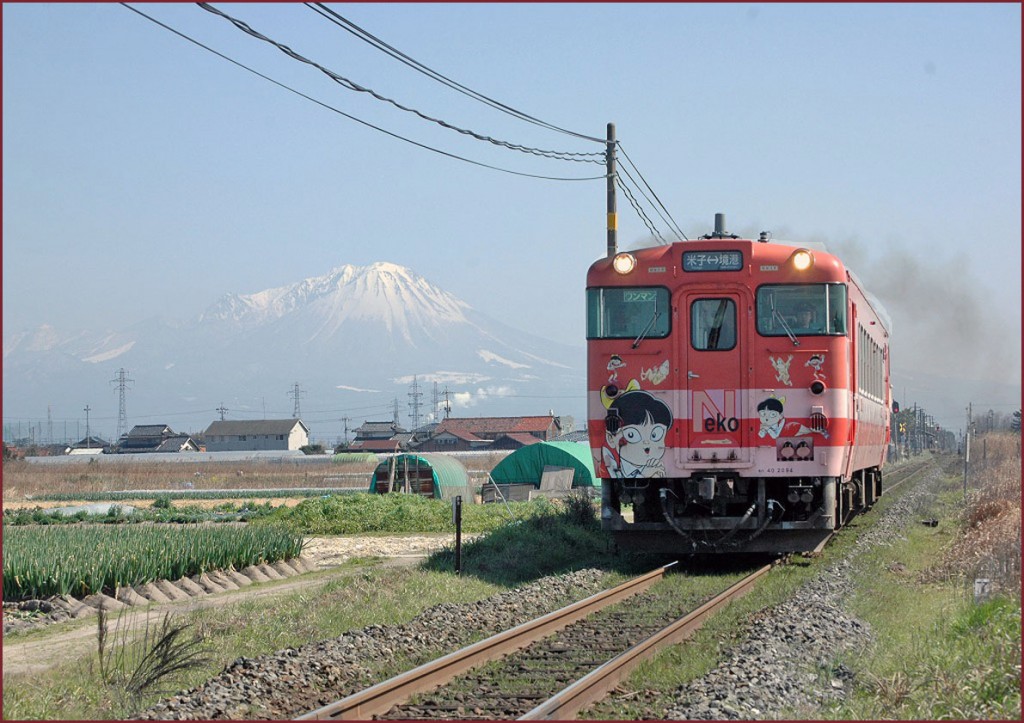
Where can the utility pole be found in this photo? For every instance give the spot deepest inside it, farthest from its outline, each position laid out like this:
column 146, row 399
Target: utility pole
column 436, row 400
column 223, row 411
column 395, row 403
column 49, row 424
column 447, row 404
column 414, row 403
column 967, row 448
column 344, row 421
column 296, row 393
column 122, row 381
column 613, row 217
column 88, row 439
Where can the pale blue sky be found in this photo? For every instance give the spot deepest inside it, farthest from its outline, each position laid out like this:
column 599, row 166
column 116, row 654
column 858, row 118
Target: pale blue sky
column 145, row 175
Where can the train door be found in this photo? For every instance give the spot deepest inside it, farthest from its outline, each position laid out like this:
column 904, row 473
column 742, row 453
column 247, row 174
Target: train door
column 713, row 353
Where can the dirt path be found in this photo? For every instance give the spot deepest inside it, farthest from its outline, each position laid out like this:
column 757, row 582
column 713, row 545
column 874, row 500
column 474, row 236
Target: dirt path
column 46, row 649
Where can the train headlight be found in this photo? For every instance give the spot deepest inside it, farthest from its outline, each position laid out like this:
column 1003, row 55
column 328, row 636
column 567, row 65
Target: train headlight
column 802, row 259
column 624, row 263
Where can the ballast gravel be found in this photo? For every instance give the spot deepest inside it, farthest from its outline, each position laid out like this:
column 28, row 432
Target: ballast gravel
column 295, row 681
column 786, row 661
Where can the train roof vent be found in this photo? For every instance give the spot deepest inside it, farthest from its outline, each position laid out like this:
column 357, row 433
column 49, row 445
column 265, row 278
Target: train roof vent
column 719, row 231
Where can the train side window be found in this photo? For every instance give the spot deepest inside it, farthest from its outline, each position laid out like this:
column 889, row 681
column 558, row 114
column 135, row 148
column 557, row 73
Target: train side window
column 836, row 308
column 713, row 324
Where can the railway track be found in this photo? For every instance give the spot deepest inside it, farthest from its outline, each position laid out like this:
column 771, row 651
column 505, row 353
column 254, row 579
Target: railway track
column 554, row 666
column 548, row 668
column 905, row 474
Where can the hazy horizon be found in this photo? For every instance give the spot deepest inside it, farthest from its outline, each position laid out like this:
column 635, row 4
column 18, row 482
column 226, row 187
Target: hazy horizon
column 146, row 176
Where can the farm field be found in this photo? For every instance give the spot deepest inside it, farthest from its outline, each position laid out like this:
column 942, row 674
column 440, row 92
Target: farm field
column 33, row 654
column 25, row 480
column 141, row 502
column 270, row 616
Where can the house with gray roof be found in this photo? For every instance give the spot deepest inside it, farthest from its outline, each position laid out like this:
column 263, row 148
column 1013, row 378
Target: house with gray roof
column 259, row 434
column 146, row 438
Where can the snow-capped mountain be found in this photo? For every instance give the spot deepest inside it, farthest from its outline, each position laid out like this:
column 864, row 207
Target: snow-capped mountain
column 353, row 340
column 382, row 293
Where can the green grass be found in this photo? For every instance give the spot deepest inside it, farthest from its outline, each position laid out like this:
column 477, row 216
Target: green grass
column 352, row 598
column 548, row 539
column 363, row 513
column 936, row 653
column 349, row 600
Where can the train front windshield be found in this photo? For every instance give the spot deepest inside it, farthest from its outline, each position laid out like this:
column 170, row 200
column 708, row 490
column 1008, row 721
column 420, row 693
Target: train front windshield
column 628, row 312
column 801, row 309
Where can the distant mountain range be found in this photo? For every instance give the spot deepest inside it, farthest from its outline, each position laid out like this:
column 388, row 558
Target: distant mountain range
column 352, row 340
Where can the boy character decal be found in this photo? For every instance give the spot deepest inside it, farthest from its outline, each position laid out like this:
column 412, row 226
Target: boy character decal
column 774, row 424
column 635, row 431
column 614, row 364
column 815, row 363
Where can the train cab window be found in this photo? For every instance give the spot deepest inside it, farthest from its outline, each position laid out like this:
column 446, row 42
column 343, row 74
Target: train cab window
column 713, row 324
column 628, row 313
column 801, row 310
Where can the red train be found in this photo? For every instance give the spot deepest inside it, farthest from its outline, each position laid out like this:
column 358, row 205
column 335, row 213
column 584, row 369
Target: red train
column 738, row 394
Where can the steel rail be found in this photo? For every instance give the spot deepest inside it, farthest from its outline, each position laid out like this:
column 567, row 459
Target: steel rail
column 383, row 696
column 911, row 474
column 595, row 685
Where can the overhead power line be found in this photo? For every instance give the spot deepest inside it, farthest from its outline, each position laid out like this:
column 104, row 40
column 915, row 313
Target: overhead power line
column 376, row 42
column 673, row 225
column 352, row 85
column 601, row 157
column 352, row 117
column 635, row 203
column 640, row 212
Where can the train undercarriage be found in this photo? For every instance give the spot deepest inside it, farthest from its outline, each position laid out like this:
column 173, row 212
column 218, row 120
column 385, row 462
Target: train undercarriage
column 717, row 512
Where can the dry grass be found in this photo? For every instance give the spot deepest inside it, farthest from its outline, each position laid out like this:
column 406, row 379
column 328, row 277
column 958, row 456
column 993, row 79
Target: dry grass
column 23, row 480
column 990, row 545
column 203, row 504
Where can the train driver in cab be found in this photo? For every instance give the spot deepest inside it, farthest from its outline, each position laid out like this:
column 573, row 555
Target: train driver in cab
column 806, row 322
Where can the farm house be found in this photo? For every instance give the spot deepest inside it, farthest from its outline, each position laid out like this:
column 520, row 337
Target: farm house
column 547, row 466
column 431, row 475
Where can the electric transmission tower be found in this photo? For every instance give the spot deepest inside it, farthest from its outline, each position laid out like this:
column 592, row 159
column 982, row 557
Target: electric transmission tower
column 122, row 381
column 296, row 393
column 414, row 402
column 88, row 436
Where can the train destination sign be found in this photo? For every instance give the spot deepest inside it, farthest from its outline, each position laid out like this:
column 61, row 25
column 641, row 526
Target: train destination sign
column 712, row 260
